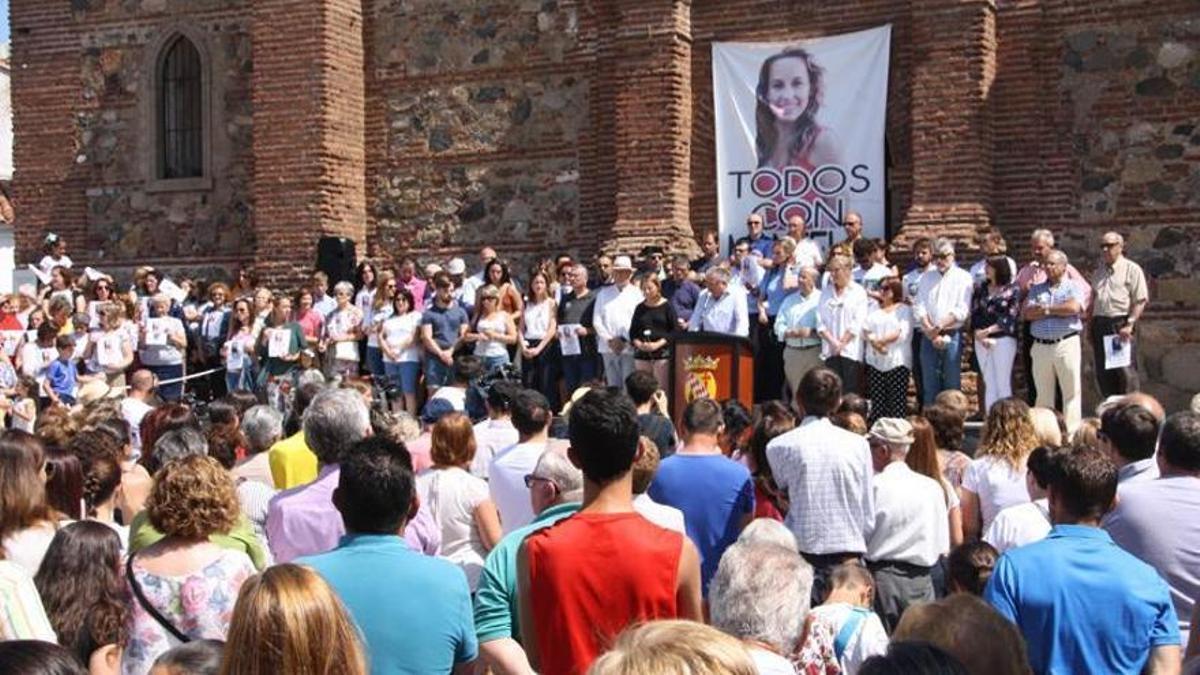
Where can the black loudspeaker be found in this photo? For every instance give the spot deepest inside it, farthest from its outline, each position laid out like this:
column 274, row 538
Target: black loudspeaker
column 335, row 257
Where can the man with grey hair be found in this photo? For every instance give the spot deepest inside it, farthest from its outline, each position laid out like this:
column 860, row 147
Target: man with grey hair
column 177, row 444
column 941, row 307
column 575, row 324
column 1041, row 243
column 1055, row 310
column 262, row 426
column 771, row 614
column 911, row 523
column 796, row 327
column 555, row 492
column 720, row 309
column 1121, row 297
column 303, row 520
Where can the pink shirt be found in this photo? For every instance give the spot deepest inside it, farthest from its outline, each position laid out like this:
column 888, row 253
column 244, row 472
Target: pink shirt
column 303, row 521
column 416, row 286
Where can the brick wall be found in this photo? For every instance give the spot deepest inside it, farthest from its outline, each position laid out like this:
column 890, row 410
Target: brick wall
column 428, row 127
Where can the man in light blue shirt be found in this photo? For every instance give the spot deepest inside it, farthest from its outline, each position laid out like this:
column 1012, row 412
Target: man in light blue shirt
column 1054, row 310
column 414, row 611
column 555, row 491
column 720, row 309
column 1082, row 603
column 796, row 327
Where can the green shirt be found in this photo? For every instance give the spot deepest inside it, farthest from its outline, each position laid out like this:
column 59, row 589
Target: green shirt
column 241, row 538
column 496, row 597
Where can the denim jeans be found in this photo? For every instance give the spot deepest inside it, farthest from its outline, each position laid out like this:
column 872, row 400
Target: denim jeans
column 941, row 369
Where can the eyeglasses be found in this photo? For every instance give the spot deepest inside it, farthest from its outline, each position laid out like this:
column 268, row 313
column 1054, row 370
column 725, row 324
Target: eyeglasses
column 943, row 256
column 530, row 479
column 1108, row 244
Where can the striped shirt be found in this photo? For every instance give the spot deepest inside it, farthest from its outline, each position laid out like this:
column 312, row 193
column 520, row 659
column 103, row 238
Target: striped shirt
column 1056, row 327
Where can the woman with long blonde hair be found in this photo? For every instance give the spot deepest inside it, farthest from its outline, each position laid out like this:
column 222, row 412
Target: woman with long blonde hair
column 288, row 620
column 996, row 477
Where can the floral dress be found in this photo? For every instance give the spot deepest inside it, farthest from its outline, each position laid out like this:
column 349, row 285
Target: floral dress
column 199, row 604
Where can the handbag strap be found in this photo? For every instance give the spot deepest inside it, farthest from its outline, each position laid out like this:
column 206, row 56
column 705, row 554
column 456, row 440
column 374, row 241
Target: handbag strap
column 150, row 609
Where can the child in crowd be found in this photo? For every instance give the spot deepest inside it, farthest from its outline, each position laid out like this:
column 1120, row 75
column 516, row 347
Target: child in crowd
column 858, row 631
column 969, row 567
column 199, row 657
column 62, row 376
column 23, row 405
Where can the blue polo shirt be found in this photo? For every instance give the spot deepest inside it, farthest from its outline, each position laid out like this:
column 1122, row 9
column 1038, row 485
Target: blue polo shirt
column 414, row 610
column 715, row 493
column 1083, row 604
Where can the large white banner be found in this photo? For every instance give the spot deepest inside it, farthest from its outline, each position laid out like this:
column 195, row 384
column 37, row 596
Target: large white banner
column 799, row 129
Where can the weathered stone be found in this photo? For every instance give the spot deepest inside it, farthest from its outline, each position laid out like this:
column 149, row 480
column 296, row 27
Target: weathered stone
column 1141, row 132
column 1172, row 151
column 440, row 140
column 1138, row 58
column 1099, row 60
column 1181, row 367
column 1093, row 182
column 1082, row 41
column 1170, row 237
column 1155, row 86
column 1183, row 129
column 1141, row 170
column 1161, row 192
column 1174, row 54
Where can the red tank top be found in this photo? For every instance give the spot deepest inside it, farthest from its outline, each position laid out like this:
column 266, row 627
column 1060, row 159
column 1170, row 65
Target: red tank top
column 591, row 575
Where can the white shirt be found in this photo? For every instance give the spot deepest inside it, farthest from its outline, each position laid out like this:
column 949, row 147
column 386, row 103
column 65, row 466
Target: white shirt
column 827, row 474
column 911, row 521
column 841, row 314
column 998, row 485
column 398, row 330
column 28, row 547
column 537, row 320
column 666, row 517
column 869, row 640
column 506, row 483
column 133, row 411
column 807, row 254
column 612, row 314
column 942, row 296
column 491, row 436
column 457, row 396
column 870, row 277
column 48, row 263
column 1019, row 525
column 880, row 324
column 453, row 495
column 470, row 287
column 769, row 663
column 728, row 314
column 912, row 280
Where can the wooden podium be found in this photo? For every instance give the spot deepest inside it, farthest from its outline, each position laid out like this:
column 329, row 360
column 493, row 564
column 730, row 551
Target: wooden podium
column 715, row 365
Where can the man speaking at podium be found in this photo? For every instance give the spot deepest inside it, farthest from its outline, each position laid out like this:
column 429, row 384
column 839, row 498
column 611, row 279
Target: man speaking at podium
column 720, row 309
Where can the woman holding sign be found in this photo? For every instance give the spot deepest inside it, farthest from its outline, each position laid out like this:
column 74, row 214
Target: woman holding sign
column 109, row 350
column 280, row 342
column 238, row 350
column 163, row 340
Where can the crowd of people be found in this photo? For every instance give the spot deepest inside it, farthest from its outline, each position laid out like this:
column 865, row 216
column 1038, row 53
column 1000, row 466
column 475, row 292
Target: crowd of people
column 446, row 473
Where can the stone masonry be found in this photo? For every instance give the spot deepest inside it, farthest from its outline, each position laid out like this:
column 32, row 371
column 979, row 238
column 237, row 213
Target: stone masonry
column 431, row 127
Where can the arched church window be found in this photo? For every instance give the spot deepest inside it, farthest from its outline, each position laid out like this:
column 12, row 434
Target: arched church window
column 180, row 106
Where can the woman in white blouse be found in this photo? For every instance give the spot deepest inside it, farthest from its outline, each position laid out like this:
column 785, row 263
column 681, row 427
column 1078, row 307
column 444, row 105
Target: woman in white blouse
column 399, row 340
column 493, row 330
column 342, row 331
column 538, row 352
column 459, row 502
column 27, row 521
column 887, row 333
column 996, row 477
column 109, row 351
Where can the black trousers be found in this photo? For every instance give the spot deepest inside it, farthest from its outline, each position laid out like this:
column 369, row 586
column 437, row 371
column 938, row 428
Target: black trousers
column 1118, row 380
column 768, row 362
column 850, row 371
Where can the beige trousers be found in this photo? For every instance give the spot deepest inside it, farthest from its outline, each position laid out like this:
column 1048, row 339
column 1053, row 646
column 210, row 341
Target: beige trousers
column 1061, row 362
column 797, row 362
